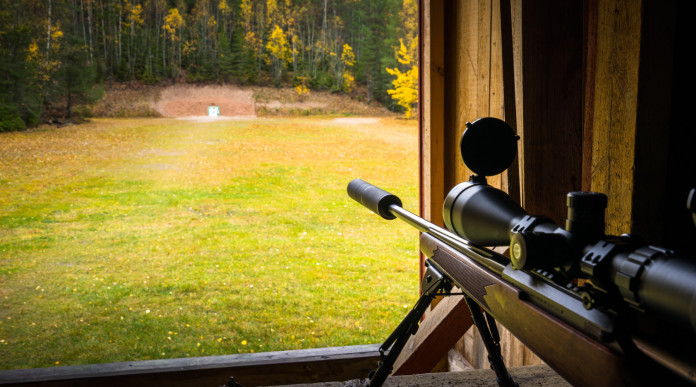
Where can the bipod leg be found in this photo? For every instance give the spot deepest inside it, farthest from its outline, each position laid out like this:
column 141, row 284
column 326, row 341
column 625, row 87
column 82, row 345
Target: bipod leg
column 491, row 339
column 433, row 282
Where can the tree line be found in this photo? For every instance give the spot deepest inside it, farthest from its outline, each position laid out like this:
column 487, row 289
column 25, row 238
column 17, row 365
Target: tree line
column 58, row 54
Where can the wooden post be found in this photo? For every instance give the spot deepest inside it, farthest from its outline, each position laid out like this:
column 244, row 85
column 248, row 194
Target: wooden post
column 433, row 102
column 547, row 46
column 632, row 100
column 475, row 77
column 439, row 331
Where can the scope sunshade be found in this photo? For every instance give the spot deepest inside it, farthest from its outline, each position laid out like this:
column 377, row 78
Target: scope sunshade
column 488, row 146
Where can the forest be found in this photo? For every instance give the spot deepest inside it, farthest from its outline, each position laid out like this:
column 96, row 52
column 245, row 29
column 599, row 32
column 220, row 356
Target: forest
column 57, row 56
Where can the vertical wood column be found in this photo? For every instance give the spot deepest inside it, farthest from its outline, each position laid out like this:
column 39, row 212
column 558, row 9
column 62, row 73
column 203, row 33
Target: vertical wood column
column 433, row 109
column 615, row 104
column 631, row 117
column 474, row 87
column 547, row 46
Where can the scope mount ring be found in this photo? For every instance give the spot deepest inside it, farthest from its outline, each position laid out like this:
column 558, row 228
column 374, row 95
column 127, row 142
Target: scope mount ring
column 488, row 146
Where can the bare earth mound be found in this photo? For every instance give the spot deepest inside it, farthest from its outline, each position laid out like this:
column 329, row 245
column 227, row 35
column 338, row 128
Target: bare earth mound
column 187, row 101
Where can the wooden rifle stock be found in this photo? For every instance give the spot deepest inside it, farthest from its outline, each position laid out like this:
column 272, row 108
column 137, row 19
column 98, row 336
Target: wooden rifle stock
column 577, row 357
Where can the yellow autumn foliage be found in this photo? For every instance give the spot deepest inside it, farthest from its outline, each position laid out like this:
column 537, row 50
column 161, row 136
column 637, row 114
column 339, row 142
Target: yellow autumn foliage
column 278, row 51
column 172, row 23
column 405, row 91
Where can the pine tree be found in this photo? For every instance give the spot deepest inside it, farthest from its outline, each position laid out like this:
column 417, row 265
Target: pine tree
column 20, row 96
column 225, row 59
column 237, row 49
column 76, row 76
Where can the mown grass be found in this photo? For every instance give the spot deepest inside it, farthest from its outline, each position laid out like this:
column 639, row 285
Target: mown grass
column 146, row 239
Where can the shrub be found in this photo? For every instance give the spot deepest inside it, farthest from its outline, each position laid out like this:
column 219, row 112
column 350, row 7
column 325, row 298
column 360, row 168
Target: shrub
column 10, row 119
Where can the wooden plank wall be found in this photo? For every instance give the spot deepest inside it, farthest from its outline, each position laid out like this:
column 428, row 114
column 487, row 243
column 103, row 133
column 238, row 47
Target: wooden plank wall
column 474, row 84
column 634, row 65
column 547, row 51
column 593, row 104
column 432, row 133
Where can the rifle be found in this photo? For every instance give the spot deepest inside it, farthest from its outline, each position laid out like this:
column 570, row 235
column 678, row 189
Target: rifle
column 598, row 309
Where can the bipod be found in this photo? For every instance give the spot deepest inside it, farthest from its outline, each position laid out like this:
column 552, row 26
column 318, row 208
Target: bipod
column 491, row 340
column 433, row 282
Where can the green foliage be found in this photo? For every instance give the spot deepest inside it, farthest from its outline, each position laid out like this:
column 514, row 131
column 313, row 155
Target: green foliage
column 244, row 41
column 251, row 70
column 225, row 59
column 148, row 77
column 237, row 52
column 9, row 118
column 76, row 78
column 20, row 100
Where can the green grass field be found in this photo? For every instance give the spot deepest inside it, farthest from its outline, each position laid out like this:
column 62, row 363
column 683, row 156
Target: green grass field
column 127, row 240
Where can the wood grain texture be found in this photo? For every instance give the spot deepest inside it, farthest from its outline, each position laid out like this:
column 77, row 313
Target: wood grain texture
column 432, row 121
column 653, row 118
column 589, row 64
column 632, row 112
column 461, row 93
column 547, row 45
column 615, row 104
column 475, row 87
column 254, row 369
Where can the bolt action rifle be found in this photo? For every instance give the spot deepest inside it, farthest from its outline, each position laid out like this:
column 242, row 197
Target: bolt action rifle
column 598, row 309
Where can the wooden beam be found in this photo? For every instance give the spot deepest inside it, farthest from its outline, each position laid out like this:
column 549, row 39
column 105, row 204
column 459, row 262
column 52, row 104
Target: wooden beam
column 252, row 369
column 631, row 116
column 589, row 64
column 437, row 334
column 432, row 121
column 511, row 179
column 547, row 46
column 475, row 77
column 615, row 104
column 461, row 90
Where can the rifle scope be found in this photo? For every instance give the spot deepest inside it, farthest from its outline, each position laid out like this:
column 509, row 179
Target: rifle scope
column 646, row 277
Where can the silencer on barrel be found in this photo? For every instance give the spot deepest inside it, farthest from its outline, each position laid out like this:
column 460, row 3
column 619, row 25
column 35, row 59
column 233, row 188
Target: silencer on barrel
column 375, row 199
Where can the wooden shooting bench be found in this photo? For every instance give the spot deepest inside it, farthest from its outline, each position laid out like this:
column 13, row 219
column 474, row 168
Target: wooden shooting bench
column 595, row 90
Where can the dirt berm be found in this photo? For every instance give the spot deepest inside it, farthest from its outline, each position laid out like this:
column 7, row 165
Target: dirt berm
column 184, row 101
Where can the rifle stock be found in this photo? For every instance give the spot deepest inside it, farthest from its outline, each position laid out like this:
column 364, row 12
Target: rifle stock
column 577, row 357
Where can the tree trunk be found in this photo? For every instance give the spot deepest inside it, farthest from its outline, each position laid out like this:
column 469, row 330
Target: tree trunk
column 48, row 32
column 89, row 28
